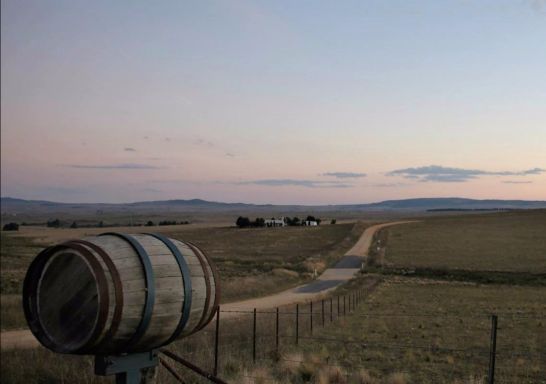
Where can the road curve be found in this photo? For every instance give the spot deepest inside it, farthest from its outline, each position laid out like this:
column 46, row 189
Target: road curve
column 344, row 270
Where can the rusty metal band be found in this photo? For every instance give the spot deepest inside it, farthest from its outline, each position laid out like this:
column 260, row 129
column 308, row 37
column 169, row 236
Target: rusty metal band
column 150, row 288
column 30, row 291
column 216, row 277
column 118, row 289
column 186, row 279
column 201, row 322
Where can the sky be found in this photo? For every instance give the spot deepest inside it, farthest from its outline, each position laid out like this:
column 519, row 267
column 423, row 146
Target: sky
column 284, row 102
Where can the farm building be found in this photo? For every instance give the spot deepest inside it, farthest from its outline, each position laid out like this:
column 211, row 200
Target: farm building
column 275, row 222
column 310, row 223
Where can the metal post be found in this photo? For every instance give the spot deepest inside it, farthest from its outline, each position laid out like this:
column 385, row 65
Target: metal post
column 254, row 338
column 344, row 312
column 492, row 350
column 216, row 339
column 277, row 332
column 297, row 323
column 338, row 312
column 331, row 309
column 322, row 311
column 311, row 316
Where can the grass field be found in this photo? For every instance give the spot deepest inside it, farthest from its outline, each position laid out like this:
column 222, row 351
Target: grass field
column 252, row 262
column 511, row 241
column 410, row 330
column 433, row 332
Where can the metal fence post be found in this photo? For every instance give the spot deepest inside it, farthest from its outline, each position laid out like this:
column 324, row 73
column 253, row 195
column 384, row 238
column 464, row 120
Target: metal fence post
column 331, row 309
column 254, row 338
column 344, row 309
column 322, row 311
column 216, row 339
column 277, row 332
column 297, row 323
column 492, row 350
column 338, row 307
column 311, row 316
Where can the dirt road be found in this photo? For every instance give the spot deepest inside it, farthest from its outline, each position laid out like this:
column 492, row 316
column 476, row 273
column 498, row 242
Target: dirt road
column 331, row 278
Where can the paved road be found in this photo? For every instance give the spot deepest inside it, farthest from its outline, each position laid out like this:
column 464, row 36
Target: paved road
column 343, row 271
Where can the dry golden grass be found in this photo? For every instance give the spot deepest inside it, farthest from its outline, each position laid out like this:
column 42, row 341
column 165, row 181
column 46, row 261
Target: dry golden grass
column 509, row 241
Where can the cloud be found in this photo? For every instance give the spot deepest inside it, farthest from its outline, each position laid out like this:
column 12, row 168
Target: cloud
column 296, row 183
column 538, row 5
column 113, row 166
column 228, row 154
column 438, row 173
column 129, row 149
column 344, row 175
column 517, row 182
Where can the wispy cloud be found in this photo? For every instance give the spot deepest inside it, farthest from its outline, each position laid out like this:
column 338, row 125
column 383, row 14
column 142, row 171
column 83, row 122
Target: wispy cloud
column 129, row 149
column 296, row 183
column 151, row 190
column 517, row 182
column 113, row 166
column 228, row 154
column 438, row 173
column 345, row 175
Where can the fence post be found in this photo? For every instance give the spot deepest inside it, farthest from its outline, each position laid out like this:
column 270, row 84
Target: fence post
column 322, row 312
column 331, row 309
column 338, row 307
column 254, row 338
column 216, row 339
column 277, row 332
column 297, row 323
column 344, row 311
column 311, row 316
column 492, row 350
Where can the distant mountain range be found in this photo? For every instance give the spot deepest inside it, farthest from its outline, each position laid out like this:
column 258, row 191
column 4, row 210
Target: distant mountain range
column 12, row 206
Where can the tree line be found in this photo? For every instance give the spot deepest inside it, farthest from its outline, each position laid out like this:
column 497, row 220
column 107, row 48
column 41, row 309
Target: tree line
column 245, row 222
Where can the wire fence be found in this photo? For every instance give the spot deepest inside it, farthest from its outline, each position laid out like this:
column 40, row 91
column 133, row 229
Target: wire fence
column 334, row 333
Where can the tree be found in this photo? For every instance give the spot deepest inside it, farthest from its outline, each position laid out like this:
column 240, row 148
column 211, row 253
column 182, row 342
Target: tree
column 54, row 223
column 101, row 224
column 11, row 227
column 243, row 222
column 310, row 218
column 150, row 223
column 295, row 221
column 74, row 225
column 259, row 222
column 333, row 221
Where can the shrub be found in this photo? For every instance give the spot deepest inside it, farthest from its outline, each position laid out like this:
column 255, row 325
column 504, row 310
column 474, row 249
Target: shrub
column 11, row 227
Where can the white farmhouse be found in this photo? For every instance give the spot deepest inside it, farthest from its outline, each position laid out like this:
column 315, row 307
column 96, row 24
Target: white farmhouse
column 275, row 222
column 310, row 223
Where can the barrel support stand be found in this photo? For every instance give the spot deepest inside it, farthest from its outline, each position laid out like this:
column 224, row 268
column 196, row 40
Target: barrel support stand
column 127, row 368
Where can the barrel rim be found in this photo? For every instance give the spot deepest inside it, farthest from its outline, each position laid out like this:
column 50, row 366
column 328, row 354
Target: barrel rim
column 30, row 300
column 118, row 291
column 217, row 289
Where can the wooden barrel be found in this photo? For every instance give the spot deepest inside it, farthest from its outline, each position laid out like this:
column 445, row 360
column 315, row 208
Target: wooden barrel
column 118, row 293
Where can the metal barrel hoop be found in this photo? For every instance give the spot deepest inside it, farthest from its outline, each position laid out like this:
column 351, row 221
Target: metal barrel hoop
column 216, row 276
column 186, row 279
column 30, row 289
column 202, row 321
column 118, row 289
column 150, row 287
